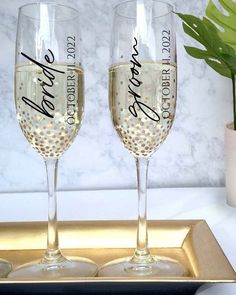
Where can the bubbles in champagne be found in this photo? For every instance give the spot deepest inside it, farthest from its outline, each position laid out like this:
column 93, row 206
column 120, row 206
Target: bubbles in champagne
column 140, row 134
column 50, row 137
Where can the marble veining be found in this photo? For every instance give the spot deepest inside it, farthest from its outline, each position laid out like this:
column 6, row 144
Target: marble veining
column 192, row 154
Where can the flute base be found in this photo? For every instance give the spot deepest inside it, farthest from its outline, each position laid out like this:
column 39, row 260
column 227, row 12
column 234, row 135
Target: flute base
column 5, row 268
column 159, row 266
column 65, row 268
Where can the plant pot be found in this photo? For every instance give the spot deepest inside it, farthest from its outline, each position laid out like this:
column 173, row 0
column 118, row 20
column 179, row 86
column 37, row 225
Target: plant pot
column 230, row 164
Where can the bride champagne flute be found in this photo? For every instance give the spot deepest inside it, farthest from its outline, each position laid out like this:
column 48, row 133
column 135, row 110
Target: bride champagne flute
column 49, row 97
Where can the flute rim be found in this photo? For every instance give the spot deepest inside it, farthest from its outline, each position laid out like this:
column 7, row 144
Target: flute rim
column 135, row 1
column 47, row 3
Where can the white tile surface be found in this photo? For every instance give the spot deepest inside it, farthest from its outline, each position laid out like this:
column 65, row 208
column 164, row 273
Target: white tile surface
column 191, row 156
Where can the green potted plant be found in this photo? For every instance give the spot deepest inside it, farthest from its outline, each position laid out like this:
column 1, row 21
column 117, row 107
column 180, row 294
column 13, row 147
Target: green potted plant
column 216, row 32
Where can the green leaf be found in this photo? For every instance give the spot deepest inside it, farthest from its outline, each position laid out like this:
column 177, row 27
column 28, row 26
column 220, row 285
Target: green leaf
column 231, row 61
column 219, row 68
column 217, row 53
column 196, row 53
column 226, row 22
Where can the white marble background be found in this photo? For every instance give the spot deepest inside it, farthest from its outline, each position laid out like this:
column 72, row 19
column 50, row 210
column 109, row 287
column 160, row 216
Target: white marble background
column 191, row 156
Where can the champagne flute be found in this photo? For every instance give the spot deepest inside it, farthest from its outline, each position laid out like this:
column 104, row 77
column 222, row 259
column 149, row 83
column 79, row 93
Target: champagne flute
column 49, row 98
column 5, row 268
column 142, row 100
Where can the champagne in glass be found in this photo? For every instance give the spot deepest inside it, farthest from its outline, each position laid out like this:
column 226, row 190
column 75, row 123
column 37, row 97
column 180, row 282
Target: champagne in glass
column 142, row 99
column 49, row 97
column 50, row 137
column 142, row 134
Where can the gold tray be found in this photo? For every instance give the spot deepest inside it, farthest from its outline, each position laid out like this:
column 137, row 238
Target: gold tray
column 190, row 241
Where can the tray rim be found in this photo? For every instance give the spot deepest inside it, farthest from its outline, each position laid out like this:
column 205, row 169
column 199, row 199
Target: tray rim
column 115, row 280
